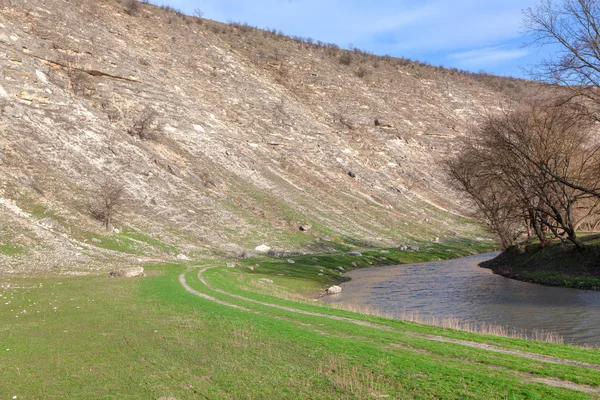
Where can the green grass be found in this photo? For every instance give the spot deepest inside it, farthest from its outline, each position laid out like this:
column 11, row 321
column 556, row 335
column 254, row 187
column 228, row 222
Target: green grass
column 11, row 250
column 97, row 337
column 302, row 276
column 129, row 241
column 558, row 264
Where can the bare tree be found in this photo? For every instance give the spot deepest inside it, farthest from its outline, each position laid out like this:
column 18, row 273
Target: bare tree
column 572, row 27
column 517, row 162
column 473, row 172
column 108, row 198
column 199, row 14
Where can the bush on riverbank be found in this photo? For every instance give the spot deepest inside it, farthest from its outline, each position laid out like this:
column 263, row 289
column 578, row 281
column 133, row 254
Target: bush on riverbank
column 559, row 264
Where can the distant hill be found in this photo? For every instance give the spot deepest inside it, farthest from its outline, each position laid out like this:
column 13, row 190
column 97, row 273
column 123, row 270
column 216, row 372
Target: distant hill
column 223, row 136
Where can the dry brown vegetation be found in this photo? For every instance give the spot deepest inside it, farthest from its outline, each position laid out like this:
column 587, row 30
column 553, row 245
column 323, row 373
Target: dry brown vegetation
column 516, row 166
column 536, row 166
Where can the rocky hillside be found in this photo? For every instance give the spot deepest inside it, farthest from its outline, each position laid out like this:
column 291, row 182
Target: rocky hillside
column 224, row 137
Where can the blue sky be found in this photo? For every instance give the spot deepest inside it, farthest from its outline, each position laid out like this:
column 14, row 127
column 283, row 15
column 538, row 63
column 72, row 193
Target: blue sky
column 467, row 34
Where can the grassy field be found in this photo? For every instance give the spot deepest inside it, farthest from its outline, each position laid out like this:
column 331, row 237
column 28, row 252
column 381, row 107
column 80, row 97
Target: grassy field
column 101, row 338
column 558, row 264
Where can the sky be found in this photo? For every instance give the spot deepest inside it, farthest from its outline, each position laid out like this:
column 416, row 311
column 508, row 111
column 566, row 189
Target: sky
column 474, row 35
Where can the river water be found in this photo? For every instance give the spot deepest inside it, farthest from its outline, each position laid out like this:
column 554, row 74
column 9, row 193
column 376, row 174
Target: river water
column 459, row 289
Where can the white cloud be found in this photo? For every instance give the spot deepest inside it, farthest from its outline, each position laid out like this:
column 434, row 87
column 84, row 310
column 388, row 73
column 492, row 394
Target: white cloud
column 486, row 56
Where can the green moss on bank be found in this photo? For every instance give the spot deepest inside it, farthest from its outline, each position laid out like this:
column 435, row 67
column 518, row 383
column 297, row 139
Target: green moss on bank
column 557, row 265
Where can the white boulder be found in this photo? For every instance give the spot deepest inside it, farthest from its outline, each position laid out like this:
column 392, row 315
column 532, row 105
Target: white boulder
column 334, row 290
column 128, row 272
column 263, row 248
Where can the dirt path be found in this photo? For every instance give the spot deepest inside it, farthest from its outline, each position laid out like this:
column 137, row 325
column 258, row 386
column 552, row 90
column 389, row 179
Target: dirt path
column 482, row 346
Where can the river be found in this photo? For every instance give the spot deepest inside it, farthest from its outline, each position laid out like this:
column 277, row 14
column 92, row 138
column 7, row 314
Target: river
column 459, row 289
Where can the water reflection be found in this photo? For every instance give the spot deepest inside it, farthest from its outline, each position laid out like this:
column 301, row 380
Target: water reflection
column 460, row 289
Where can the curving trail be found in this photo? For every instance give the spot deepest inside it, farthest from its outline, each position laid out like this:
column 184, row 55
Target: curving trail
column 482, row 346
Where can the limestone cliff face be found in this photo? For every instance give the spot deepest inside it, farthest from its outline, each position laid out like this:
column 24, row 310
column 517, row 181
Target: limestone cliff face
column 224, row 137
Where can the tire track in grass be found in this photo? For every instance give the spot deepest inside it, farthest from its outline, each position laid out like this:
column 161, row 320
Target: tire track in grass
column 482, row 346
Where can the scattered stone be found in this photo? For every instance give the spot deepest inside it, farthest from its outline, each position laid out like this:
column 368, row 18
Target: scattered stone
column 355, row 253
column 340, row 268
column 354, row 264
column 320, row 274
column 265, row 280
column 128, row 272
column 315, row 259
column 436, row 240
column 230, row 265
column 50, row 223
column 191, row 212
column 334, row 290
column 321, row 270
column 173, row 169
column 384, row 252
column 183, row 257
column 382, row 259
column 305, row 228
column 166, row 398
column 194, row 178
column 351, row 174
column 263, row 248
column 382, row 124
column 14, row 112
column 291, row 261
column 326, row 238
column 250, row 267
column 2, row 158
column 41, row 76
column 96, row 240
column 408, row 248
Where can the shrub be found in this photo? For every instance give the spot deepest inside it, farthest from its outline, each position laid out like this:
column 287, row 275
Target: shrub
column 78, row 80
column 131, row 6
column 362, row 71
column 144, row 127
column 342, row 120
column 331, row 49
column 199, row 14
column 346, row 58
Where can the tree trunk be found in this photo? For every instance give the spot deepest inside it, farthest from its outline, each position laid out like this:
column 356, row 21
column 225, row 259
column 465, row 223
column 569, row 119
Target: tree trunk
column 579, row 245
column 107, row 222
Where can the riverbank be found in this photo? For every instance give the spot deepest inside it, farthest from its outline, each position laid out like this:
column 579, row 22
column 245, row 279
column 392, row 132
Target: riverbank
column 308, row 275
column 558, row 264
